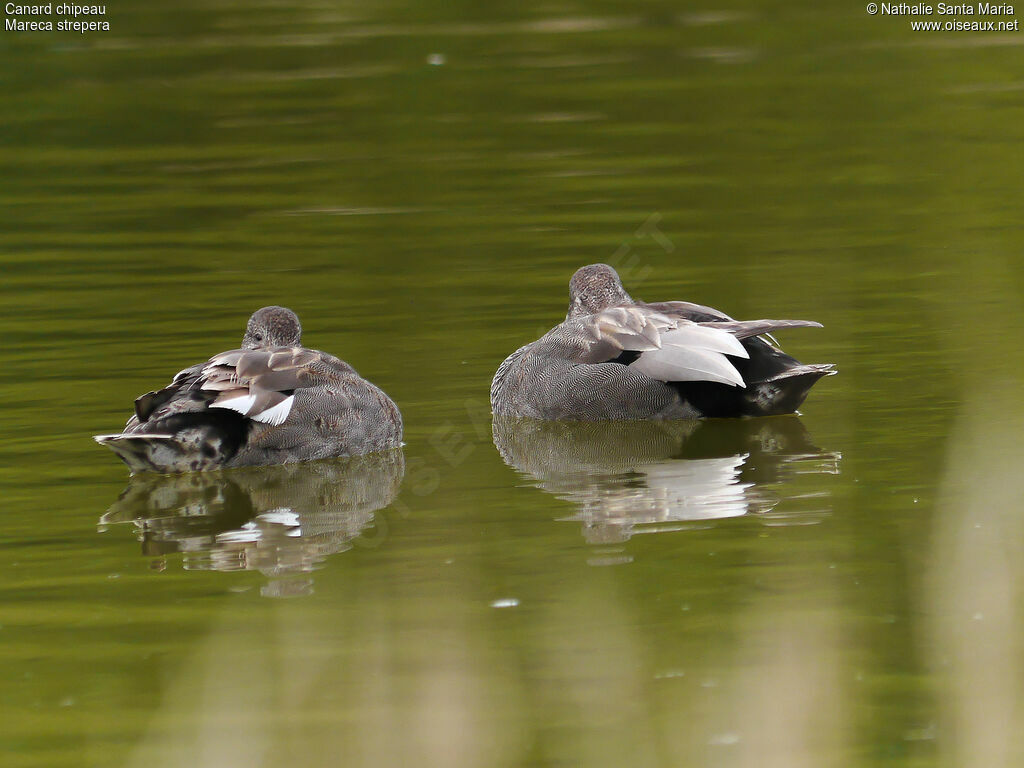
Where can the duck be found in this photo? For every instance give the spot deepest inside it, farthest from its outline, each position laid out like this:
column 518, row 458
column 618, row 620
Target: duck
column 616, row 358
column 272, row 401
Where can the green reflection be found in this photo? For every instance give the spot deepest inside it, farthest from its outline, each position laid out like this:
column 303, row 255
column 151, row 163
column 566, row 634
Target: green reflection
column 423, row 216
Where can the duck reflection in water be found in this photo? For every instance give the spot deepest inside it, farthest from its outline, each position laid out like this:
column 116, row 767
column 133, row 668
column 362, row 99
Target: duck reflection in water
column 628, row 477
column 281, row 521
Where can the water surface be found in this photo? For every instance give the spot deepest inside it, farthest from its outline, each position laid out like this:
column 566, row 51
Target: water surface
column 419, row 181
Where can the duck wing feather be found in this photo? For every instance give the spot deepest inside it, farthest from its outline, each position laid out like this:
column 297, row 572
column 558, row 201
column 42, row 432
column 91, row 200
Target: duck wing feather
column 260, row 383
column 670, row 349
column 745, row 329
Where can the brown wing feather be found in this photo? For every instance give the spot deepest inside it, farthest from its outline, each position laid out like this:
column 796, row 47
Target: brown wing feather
column 282, row 368
column 258, row 380
column 606, row 334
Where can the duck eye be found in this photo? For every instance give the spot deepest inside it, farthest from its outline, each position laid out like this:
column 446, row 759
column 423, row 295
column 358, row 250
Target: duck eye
column 258, row 337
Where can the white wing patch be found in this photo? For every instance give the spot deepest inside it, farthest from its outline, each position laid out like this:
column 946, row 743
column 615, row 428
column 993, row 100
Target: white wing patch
column 702, row 337
column 274, row 416
column 675, row 364
column 242, row 404
column 277, row 414
column 692, row 352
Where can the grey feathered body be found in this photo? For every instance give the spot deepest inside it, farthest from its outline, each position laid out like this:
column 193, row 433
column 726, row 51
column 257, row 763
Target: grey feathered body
column 215, row 414
column 669, row 360
column 556, row 377
column 345, row 417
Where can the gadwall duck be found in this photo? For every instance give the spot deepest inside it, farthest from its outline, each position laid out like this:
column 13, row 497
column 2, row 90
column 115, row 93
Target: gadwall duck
column 271, row 402
column 617, row 358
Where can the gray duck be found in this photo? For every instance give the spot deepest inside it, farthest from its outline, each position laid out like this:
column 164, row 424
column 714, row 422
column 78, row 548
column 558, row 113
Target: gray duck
column 272, row 401
column 618, row 358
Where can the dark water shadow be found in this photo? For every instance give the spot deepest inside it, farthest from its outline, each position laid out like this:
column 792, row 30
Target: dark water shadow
column 643, row 477
column 281, row 521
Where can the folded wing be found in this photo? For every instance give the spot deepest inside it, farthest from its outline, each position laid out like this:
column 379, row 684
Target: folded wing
column 692, row 352
column 667, row 349
column 258, row 383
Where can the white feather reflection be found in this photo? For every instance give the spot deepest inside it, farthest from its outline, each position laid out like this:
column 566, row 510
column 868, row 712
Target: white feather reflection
column 626, row 478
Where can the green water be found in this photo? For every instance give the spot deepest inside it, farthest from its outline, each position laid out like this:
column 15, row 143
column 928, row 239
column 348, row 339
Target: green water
column 419, row 181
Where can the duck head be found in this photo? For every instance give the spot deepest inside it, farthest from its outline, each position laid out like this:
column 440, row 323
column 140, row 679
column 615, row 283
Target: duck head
column 272, row 327
column 594, row 288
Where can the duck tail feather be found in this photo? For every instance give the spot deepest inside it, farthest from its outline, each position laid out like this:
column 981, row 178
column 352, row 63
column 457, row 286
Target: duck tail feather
column 786, row 391
column 814, row 371
column 150, row 453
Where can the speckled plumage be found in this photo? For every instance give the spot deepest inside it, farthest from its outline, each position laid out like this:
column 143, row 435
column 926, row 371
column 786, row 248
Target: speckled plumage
column 270, row 402
column 618, row 358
